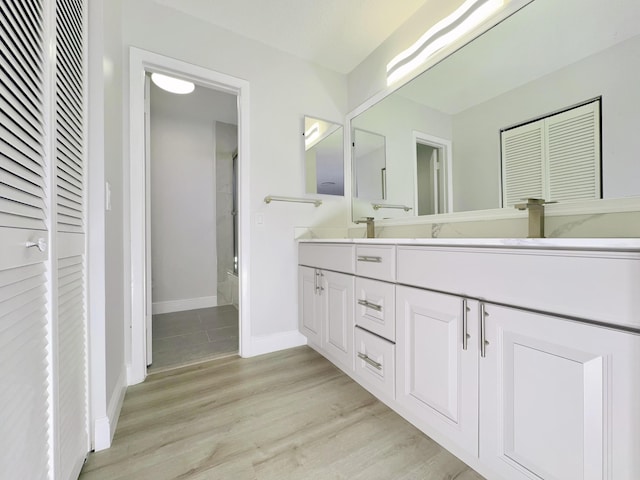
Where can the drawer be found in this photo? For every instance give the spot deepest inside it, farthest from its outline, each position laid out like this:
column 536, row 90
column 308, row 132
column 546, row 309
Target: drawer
column 330, row 256
column 375, row 307
column 375, row 363
column 376, row 261
column 577, row 283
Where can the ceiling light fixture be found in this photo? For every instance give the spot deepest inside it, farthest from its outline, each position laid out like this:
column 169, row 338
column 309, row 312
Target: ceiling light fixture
column 173, row 85
column 468, row 16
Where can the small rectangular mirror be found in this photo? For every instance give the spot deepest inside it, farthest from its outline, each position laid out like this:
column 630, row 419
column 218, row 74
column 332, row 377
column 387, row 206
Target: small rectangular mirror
column 323, row 156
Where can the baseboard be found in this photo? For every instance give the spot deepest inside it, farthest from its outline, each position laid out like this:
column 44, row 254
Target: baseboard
column 182, row 305
column 273, row 343
column 105, row 427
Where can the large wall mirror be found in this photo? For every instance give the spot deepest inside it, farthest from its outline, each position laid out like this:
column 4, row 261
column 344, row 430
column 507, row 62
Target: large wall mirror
column 544, row 59
column 323, row 144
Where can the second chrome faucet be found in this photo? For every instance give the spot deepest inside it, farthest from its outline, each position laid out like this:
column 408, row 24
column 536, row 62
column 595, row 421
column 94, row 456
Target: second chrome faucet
column 371, row 231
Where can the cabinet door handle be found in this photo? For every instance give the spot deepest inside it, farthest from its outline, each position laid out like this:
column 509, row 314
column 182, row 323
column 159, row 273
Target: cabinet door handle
column 367, row 258
column 372, row 306
column 373, row 363
column 465, row 335
column 483, row 331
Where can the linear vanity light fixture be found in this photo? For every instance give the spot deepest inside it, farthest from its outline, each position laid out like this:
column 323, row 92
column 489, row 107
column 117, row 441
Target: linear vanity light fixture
column 378, row 206
column 469, row 15
column 273, row 198
column 311, row 134
column 171, row 84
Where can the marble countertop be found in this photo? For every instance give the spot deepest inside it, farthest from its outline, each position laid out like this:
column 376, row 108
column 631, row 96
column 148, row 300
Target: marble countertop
column 624, row 244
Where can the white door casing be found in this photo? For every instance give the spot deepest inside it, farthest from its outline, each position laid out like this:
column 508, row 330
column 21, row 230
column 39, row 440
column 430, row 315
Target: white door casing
column 140, row 62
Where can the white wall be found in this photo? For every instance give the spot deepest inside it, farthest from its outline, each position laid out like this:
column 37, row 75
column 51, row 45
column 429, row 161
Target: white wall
column 115, row 282
column 183, row 196
column 283, row 89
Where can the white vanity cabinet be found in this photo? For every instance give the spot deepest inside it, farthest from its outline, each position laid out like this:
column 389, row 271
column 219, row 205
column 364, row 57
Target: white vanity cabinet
column 437, row 364
column 558, row 399
column 326, row 300
column 523, row 360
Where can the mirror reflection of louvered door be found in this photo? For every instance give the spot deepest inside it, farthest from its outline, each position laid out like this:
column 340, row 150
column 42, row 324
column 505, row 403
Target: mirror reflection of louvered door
column 556, row 158
column 43, row 375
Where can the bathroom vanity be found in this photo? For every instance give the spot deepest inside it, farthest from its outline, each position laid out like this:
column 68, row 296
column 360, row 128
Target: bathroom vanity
column 522, row 357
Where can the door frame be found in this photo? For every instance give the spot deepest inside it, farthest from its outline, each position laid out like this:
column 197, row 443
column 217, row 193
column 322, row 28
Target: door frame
column 444, row 146
column 140, row 62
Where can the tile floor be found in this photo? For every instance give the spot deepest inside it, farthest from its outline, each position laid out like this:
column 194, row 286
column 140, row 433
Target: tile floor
column 181, row 338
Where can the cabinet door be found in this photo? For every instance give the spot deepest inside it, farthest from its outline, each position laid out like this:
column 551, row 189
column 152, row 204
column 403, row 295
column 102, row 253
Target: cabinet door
column 336, row 293
column 309, row 304
column 437, row 378
column 558, row 399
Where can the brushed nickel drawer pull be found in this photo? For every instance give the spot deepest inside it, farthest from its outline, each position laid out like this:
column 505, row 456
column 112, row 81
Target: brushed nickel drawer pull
column 465, row 335
column 368, row 258
column 483, row 331
column 372, row 306
column 371, row 362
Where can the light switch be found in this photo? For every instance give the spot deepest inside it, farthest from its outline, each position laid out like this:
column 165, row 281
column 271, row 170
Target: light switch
column 259, row 219
column 107, row 196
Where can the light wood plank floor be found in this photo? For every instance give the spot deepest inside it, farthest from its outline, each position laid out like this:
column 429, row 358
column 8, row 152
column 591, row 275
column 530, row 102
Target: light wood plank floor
column 287, row 415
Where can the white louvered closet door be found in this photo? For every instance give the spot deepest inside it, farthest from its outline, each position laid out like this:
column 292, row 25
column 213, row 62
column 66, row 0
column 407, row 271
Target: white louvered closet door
column 24, row 196
column 43, row 358
column 72, row 442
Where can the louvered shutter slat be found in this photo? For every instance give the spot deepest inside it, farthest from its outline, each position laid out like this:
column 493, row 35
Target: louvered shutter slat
column 21, row 197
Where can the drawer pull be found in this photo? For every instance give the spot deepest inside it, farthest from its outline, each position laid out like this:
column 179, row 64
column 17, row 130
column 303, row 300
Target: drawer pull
column 373, row 363
column 465, row 335
column 372, row 306
column 367, row 258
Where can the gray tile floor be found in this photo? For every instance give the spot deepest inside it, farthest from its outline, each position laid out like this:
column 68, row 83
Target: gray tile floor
column 181, row 338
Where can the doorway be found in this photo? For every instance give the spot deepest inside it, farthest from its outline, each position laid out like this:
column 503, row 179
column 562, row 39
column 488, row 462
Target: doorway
column 432, row 174
column 141, row 62
column 192, row 139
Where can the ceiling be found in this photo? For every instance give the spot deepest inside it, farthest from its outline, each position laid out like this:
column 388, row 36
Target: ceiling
column 337, row 34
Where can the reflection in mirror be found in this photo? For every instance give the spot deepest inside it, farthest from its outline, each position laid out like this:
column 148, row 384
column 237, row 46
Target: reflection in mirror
column 546, row 58
column 370, row 165
column 323, row 156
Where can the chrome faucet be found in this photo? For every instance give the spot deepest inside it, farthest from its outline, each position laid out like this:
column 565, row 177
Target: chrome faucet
column 535, row 206
column 371, row 231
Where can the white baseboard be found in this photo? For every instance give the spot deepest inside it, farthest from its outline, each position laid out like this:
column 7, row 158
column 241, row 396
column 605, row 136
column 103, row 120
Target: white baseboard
column 105, row 427
column 182, row 305
column 273, row 343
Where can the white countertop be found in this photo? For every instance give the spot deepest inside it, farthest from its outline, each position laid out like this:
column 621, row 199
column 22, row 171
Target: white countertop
column 624, row 244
